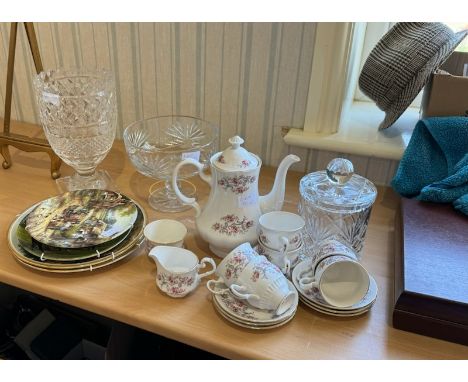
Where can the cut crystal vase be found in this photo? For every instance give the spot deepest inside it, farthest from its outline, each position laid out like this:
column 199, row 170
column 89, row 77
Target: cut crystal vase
column 77, row 109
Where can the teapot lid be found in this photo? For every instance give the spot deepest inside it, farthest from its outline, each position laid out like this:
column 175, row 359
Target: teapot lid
column 235, row 157
column 338, row 189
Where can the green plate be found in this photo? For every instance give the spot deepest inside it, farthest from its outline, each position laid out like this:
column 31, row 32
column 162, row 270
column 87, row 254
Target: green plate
column 83, row 218
column 47, row 252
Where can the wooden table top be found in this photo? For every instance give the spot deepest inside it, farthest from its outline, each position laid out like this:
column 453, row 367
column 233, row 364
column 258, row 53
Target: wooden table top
column 127, row 291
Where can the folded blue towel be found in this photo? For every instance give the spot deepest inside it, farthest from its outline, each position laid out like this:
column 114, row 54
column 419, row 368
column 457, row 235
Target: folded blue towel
column 434, row 166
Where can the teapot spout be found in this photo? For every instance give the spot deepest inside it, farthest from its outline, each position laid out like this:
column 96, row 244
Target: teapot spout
column 273, row 201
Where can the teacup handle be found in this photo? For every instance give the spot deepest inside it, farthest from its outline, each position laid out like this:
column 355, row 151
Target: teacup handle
column 203, row 265
column 308, row 282
column 238, row 291
column 287, row 265
column 284, row 244
column 214, row 282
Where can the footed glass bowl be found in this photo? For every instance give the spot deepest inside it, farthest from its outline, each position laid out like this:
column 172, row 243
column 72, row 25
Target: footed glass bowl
column 156, row 145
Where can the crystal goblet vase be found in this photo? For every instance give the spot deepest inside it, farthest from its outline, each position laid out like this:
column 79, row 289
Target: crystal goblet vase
column 77, row 109
column 156, row 145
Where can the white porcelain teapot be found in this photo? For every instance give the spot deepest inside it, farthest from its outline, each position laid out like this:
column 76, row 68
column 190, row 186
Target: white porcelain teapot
column 230, row 217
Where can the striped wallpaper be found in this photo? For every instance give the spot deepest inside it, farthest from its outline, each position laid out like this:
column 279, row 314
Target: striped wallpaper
column 250, row 78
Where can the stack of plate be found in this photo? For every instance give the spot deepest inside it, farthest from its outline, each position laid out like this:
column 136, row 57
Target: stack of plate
column 77, row 231
column 240, row 313
column 313, row 299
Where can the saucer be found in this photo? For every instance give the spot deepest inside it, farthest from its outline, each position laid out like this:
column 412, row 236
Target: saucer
column 333, row 310
column 251, row 325
column 242, row 312
column 334, row 313
column 316, row 302
column 314, row 297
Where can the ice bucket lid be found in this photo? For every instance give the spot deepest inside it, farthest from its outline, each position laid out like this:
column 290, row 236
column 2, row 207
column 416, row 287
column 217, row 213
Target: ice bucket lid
column 338, row 189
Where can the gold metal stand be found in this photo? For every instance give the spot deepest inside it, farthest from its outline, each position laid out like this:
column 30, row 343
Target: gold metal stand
column 23, row 142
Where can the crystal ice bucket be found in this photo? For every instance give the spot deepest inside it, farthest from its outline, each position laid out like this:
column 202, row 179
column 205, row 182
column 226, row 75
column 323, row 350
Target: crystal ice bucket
column 336, row 204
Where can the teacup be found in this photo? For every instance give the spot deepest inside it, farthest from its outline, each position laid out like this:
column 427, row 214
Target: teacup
column 281, row 230
column 331, row 247
column 165, row 232
column 341, row 280
column 282, row 260
column 177, row 270
column 252, row 277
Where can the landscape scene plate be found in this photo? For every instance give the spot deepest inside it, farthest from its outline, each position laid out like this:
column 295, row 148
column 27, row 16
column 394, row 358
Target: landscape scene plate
column 47, row 252
column 82, row 218
column 131, row 242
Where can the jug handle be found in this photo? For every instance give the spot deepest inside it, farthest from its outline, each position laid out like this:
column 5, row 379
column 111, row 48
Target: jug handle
column 182, row 197
column 202, row 265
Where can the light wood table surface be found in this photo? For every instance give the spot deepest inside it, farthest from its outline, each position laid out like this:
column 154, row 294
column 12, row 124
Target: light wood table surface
column 127, row 291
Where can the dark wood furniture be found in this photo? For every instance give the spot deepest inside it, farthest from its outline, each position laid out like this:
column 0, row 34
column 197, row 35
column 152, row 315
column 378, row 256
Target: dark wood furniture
column 431, row 271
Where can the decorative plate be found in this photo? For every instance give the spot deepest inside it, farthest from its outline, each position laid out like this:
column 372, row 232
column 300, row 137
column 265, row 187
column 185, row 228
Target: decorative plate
column 87, row 268
column 47, row 252
column 244, row 312
column 82, row 218
column 314, row 296
column 132, row 242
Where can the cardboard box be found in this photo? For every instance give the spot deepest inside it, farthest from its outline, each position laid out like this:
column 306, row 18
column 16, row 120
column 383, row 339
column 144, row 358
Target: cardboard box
column 32, row 330
column 85, row 349
column 446, row 93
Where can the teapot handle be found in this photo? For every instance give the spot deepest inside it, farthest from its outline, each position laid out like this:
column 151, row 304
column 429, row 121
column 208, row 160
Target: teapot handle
column 184, row 199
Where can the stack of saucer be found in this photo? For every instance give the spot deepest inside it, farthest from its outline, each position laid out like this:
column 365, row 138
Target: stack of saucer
column 313, row 299
column 241, row 313
column 77, row 231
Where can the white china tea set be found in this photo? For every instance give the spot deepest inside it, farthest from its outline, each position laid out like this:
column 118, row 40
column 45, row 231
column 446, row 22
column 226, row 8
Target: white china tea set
column 270, row 259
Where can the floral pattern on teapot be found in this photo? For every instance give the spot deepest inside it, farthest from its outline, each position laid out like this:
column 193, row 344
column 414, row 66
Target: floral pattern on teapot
column 232, row 225
column 237, row 184
column 243, row 164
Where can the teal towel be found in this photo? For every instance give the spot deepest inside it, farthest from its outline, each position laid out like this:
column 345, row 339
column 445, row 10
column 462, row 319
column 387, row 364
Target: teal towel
column 434, row 166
